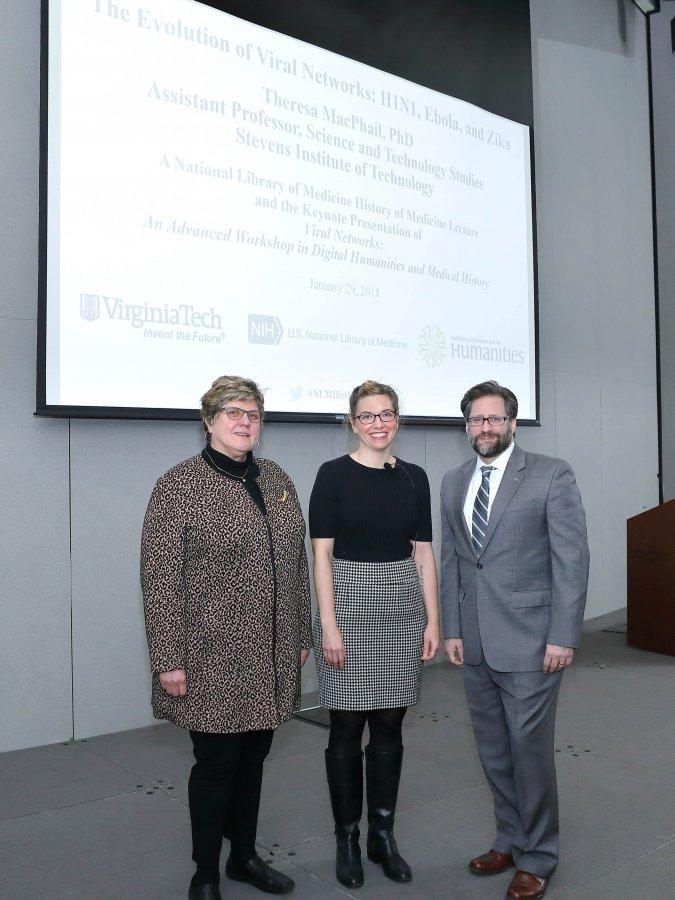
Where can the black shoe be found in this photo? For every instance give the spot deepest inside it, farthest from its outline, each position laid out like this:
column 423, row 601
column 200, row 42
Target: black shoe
column 348, row 868
column 256, row 872
column 383, row 773
column 382, row 849
column 207, row 891
column 345, row 784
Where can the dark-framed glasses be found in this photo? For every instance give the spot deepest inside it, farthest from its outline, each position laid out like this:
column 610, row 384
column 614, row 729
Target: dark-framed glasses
column 387, row 415
column 477, row 421
column 235, row 413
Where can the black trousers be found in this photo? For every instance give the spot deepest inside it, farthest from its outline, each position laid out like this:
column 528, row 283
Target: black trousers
column 224, row 795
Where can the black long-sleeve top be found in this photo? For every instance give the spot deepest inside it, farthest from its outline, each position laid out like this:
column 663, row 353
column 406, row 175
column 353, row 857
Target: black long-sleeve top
column 372, row 514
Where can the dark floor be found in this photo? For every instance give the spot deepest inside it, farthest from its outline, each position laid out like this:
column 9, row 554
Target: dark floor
column 107, row 817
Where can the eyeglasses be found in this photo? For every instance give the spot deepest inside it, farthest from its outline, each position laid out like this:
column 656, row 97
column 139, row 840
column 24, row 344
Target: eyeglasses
column 477, row 421
column 387, row 415
column 235, row 413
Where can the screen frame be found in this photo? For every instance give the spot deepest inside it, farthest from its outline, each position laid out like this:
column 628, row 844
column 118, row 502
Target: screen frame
column 256, row 15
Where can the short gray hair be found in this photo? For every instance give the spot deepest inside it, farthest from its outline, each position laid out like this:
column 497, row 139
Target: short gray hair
column 227, row 389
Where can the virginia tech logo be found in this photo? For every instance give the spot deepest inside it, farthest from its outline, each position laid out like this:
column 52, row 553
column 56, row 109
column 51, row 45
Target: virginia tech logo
column 90, row 307
column 432, row 346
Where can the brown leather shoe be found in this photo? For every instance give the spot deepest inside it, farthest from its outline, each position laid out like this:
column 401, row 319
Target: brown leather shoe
column 526, row 886
column 491, row 863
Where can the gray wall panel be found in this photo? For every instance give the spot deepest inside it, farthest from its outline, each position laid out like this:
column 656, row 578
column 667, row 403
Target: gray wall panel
column 663, row 68
column 446, row 448
column 608, row 26
column 566, row 158
column 578, row 412
column 596, row 276
column 643, row 451
column 543, row 439
column 35, row 700
column 297, row 449
column 629, row 483
column 19, row 154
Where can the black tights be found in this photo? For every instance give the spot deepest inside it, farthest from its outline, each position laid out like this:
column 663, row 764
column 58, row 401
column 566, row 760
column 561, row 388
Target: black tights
column 384, row 726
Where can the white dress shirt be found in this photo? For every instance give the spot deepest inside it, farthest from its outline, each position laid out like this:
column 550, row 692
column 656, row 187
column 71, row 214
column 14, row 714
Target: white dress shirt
column 499, row 463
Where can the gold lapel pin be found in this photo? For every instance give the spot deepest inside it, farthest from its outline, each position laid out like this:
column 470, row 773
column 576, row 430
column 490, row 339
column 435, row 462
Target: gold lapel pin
column 284, row 497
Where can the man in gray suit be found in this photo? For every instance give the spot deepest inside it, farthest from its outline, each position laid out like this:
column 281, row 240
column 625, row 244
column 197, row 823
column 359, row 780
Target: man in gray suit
column 514, row 573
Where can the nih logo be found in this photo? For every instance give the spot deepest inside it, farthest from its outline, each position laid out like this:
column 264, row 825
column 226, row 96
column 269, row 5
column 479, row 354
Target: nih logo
column 90, row 307
column 264, row 329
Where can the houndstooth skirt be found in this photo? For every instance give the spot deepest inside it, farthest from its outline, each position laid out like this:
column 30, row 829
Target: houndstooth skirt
column 381, row 614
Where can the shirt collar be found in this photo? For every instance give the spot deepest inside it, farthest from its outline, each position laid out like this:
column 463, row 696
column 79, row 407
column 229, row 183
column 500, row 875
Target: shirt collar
column 499, row 462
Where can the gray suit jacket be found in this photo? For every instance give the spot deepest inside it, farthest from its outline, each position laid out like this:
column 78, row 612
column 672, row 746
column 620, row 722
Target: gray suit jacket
column 528, row 586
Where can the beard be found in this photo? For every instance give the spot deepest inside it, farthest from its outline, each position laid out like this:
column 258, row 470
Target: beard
column 490, row 445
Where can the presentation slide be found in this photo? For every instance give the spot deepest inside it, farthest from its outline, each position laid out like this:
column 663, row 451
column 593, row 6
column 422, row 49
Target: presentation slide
column 224, row 199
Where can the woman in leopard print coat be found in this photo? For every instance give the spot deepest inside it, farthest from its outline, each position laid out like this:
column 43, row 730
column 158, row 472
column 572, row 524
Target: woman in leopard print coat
column 227, row 609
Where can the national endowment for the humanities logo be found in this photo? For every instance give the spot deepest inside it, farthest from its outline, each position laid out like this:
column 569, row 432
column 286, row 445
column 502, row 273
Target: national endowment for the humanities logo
column 432, row 346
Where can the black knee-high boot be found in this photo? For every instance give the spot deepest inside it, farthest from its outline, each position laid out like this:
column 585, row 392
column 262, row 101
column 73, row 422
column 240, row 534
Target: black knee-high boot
column 383, row 773
column 345, row 784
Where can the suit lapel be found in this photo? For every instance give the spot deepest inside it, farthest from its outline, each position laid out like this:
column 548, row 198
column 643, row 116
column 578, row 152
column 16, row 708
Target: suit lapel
column 465, row 476
column 513, row 475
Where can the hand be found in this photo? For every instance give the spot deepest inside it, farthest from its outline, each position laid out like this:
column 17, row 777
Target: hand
column 432, row 641
column 454, row 647
column 174, row 682
column 304, row 656
column 557, row 658
column 333, row 647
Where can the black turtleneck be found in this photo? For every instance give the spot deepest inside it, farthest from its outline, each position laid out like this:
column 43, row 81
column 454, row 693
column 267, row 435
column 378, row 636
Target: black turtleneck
column 246, row 472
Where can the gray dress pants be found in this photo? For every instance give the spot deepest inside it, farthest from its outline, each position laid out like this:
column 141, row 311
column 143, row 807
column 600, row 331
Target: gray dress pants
column 513, row 717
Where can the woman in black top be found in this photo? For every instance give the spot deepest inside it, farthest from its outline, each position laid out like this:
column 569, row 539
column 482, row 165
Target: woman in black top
column 375, row 577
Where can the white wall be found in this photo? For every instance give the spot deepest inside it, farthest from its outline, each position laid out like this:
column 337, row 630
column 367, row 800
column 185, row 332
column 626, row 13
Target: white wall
column 87, row 482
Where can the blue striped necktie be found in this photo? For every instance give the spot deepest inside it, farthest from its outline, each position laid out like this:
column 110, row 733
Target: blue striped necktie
column 479, row 519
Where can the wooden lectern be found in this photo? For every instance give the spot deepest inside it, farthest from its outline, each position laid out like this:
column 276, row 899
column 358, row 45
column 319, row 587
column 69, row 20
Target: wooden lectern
column 651, row 579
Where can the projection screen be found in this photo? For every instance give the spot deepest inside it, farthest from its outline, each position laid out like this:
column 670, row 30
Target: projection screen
column 221, row 198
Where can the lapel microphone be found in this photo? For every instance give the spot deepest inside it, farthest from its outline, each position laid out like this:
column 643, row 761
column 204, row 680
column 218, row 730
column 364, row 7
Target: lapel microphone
column 400, row 466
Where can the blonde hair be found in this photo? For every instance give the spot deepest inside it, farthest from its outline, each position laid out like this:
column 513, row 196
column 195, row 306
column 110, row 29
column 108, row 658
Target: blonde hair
column 371, row 389
column 226, row 389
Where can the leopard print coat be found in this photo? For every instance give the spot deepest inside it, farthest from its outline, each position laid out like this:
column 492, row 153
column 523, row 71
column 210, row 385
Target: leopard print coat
column 218, row 605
